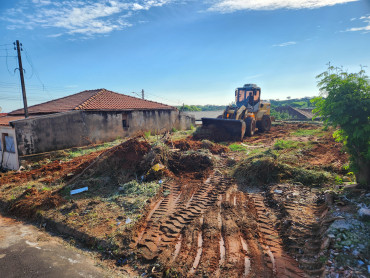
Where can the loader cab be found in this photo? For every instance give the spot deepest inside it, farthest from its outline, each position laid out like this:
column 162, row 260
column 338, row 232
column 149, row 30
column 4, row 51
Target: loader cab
column 249, row 95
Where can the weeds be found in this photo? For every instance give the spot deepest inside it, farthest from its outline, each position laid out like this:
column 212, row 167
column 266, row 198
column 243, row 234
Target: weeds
column 133, row 188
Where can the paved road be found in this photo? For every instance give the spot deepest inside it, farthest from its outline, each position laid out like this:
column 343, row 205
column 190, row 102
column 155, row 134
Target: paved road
column 25, row 251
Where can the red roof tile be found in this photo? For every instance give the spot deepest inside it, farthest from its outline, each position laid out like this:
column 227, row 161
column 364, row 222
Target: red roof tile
column 100, row 99
column 3, row 114
column 4, row 121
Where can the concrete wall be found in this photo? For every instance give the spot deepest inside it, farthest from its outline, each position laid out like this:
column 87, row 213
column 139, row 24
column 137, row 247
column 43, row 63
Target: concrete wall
column 8, row 159
column 80, row 128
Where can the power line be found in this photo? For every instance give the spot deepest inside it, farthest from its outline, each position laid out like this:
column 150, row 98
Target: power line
column 7, row 65
column 29, row 60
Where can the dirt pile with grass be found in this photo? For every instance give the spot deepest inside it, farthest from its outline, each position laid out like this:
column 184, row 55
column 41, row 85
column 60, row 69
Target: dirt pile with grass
column 264, row 170
column 197, row 163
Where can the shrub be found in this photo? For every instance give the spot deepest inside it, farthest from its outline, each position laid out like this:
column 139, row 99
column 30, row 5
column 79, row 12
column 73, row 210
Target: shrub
column 347, row 105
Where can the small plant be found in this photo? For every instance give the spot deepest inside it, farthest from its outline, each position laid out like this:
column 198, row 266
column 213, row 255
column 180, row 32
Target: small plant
column 174, row 129
column 147, row 134
column 338, row 180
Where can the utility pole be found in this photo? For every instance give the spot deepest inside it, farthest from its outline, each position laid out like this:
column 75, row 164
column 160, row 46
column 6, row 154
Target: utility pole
column 142, row 93
column 17, row 47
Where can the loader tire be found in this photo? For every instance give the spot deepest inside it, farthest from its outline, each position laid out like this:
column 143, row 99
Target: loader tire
column 250, row 126
column 265, row 123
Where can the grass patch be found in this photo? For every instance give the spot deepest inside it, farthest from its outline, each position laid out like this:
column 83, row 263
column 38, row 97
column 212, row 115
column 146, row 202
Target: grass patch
column 286, row 144
column 290, row 144
column 84, row 151
column 237, row 148
column 308, row 132
column 134, row 188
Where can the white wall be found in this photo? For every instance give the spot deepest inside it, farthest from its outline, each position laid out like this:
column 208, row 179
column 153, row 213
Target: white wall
column 8, row 160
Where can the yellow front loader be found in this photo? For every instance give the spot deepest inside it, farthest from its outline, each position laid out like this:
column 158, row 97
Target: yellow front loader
column 248, row 113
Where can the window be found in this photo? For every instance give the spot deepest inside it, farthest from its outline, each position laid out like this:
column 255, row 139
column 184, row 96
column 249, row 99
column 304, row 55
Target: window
column 241, row 95
column 9, row 144
column 1, row 145
column 124, row 121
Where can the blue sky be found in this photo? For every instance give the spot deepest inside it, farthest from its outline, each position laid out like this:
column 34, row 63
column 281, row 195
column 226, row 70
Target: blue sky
column 178, row 51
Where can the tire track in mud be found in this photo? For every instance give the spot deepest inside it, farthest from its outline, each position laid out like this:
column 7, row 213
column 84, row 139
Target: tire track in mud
column 234, row 238
column 281, row 264
column 302, row 226
column 170, row 214
column 213, row 229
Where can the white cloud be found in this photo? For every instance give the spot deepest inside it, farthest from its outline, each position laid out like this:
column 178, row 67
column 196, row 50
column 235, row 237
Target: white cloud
column 285, row 44
column 226, row 6
column 366, row 28
column 86, row 18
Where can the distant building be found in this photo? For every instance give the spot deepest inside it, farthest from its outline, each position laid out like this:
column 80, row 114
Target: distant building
column 296, row 113
column 92, row 116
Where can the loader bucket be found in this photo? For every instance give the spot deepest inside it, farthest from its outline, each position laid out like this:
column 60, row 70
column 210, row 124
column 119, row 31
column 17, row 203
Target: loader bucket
column 224, row 129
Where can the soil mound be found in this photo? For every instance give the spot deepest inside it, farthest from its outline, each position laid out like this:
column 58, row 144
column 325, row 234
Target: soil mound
column 266, row 170
column 120, row 161
column 196, row 162
column 33, row 200
column 191, row 144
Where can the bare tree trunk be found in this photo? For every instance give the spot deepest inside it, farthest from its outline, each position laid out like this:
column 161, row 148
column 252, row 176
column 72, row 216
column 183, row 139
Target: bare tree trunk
column 363, row 173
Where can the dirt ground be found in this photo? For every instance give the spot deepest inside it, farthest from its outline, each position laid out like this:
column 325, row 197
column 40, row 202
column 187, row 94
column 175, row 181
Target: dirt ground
column 177, row 208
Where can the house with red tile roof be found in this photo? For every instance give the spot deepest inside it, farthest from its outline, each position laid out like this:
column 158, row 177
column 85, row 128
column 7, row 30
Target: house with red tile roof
column 93, row 100
column 89, row 117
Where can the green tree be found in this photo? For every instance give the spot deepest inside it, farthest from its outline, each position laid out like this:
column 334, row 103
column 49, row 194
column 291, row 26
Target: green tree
column 345, row 103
